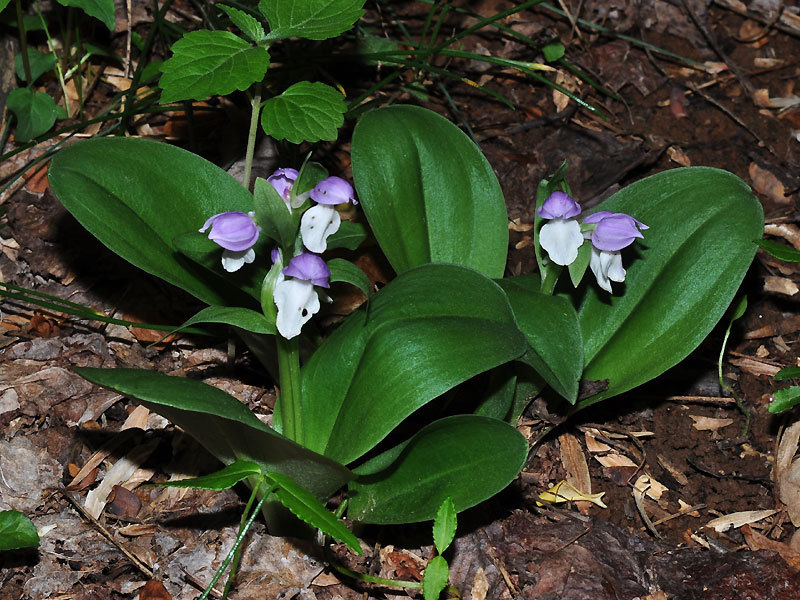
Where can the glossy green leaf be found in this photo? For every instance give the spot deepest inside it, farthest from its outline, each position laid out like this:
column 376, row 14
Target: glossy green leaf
column 780, row 251
column 553, row 51
column 17, row 531
column 39, row 62
column 222, row 424
column 344, row 270
column 681, row 277
column 785, row 399
column 102, row 10
column 3, row 4
column 437, row 573
column 425, row 332
column 235, row 316
column 207, row 63
column 310, row 19
column 272, row 214
column 306, row 112
column 444, row 525
column 787, row 373
column 306, row 507
column 35, row 112
column 466, row 457
column 225, row 478
column 428, row 192
column 249, row 25
column 136, row 196
column 350, row 235
column 551, row 326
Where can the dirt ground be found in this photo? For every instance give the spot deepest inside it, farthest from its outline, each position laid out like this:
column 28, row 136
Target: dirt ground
column 670, row 456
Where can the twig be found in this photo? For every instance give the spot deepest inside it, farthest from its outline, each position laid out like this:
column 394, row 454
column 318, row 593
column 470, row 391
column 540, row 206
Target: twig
column 787, row 22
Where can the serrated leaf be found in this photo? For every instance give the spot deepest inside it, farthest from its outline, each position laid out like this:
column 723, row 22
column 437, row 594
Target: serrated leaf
column 780, row 251
column 17, row 531
column 225, row 478
column 344, row 270
column 208, row 63
column 437, row 573
column 306, row 112
column 444, row 525
column 787, row 373
column 785, row 399
column 99, row 9
column 305, row 506
column 247, row 23
column 35, row 113
column 39, row 62
column 310, row 19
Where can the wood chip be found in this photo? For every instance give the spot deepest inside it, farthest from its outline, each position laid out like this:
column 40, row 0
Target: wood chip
column 709, row 423
column 755, row 367
column 737, row 519
column 574, row 462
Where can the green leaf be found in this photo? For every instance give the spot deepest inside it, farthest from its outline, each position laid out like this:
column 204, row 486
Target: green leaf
column 35, row 112
column 40, row 64
column 306, row 112
column 428, row 192
column 553, row 51
column 223, row 425
column 99, row 9
column 408, row 483
column 444, row 525
column 310, row 19
column 306, row 507
column 344, row 270
column 272, row 214
column 425, row 332
column 551, row 326
column 437, row 573
column 785, row 399
column 350, row 235
column 236, row 316
column 136, row 196
column 16, row 530
column 787, row 373
column 3, row 4
column 209, row 63
column 680, row 279
column 247, row 23
column 225, row 478
column 780, row 251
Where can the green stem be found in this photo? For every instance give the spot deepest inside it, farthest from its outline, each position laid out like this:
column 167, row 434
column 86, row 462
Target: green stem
column 368, row 578
column 251, row 135
column 238, row 553
column 59, row 70
column 289, row 376
column 23, row 42
column 549, row 280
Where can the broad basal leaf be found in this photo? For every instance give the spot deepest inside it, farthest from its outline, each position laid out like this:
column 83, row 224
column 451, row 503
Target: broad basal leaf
column 225, row 478
column 39, row 62
column 235, row 316
column 310, row 19
column 680, row 278
column 223, row 425
column 466, row 457
column 551, row 326
column 306, row 112
column 425, row 332
column 136, row 196
column 208, row 63
column 35, row 113
column 17, row 531
column 99, row 9
column 428, row 192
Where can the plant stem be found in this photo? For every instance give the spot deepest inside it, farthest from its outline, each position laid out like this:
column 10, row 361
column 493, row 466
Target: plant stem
column 251, row 135
column 289, row 376
column 549, row 280
column 23, row 43
column 368, row 578
column 237, row 555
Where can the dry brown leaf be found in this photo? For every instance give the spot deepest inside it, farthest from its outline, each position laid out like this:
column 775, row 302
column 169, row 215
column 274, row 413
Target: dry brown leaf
column 480, row 585
column 758, row 541
column 525, row 242
column 594, row 446
column 709, row 423
column 761, row 98
column 755, row 367
column 154, row 590
column 787, row 231
column 787, row 472
column 676, row 473
column 569, row 83
column 574, row 462
column 518, row 226
column 650, row 487
column 677, row 155
column 780, row 285
column 738, row 519
column 768, row 184
column 615, row 460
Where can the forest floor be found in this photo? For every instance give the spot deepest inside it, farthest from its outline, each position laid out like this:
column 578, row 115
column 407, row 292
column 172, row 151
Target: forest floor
column 678, row 451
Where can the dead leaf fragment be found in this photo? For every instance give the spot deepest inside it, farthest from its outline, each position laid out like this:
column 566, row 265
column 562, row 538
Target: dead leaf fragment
column 758, row 541
column 737, row 519
column 764, row 182
column 123, row 502
column 563, row 491
column 574, row 462
column 787, row 472
column 780, row 285
column 677, row 155
column 154, row 590
column 702, row 423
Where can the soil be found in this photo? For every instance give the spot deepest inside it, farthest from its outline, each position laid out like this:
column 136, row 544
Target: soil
column 683, row 432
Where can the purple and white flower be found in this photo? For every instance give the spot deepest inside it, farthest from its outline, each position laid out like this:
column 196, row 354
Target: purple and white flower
column 296, row 298
column 614, row 231
column 561, row 236
column 283, row 182
column 237, row 233
column 321, row 221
